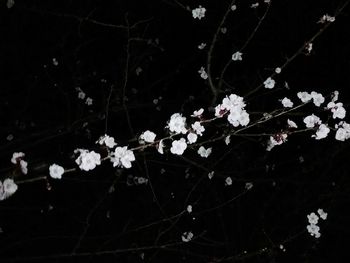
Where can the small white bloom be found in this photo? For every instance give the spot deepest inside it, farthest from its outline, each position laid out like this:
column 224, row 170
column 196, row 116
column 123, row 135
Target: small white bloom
column 189, row 209
column 313, row 230
column 7, row 188
column 237, row 56
column 106, row 140
column 160, row 148
column 304, row 96
column 269, row 83
column 278, row 70
column 323, row 214
column 276, row 139
column 54, row 62
column 318, row 99
column 187, row 236
column 198, row 128
column 204, row 152
column 198, row 113
column 9, row 137
column 202, row 73
column 56, row 171
column 326, row 18
column 199, row 12
column 337, row 109
column 249, row 186
column 202, row 46
column 211, row 175
column 88, row 101
column 138, row 71
column 292, row 124
column 148, row 136
column 255, row 5
column 192, row 137
column 228, row 181
column 311, row 120
column 88, row 160
column 313, row 218
column 233, row 7
column 227, row 139
column 178, row 146
column 177, row 123
column 335, row 96
column 16, row 157
column 24, row 166
column 287, row 103
column 10, row 3
column 81, row 95
column 322, row 132
column 122, row 157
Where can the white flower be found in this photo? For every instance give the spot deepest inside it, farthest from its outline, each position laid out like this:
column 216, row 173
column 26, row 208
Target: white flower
column 10, row 3
column 211, row 175
column 148, row 136
column 138, row 71
column 227, row 139
column 88, row 101
column 202, row 46
column 54, row 62
column 326, row 18
column 304, row 96
column 189, row 209
column 337, row 109
column 81, row 95
column 317, row 98
column 24, row 166
column 192, row 137
column 322, row 132
column 187, row 236
column 177, row 123
column 311, row 120
column 198, row 128
column 287, row 103
column 203, row 74
column 233, row 7
column 313, row 230
column 255, row 5
column 248, row 186
column 278, row 70
column 107, row 140
column 313, row 218
column 342, row 134
column 56, row 171
column 276, row 139
column 204, row 152
column 199, row 12
column 7, row 188
column 237, row 56
column 88, row 160
column 228, row 181
column 335, row 96
column 292, row 124
column 16, row 157
column 122, row 157
column 160, row 148
column 178, row 146
column 198, row 113
column 323, row 214
column 269, row 83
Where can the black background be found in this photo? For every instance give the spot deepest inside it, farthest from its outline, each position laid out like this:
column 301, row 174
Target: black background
column 39, row 106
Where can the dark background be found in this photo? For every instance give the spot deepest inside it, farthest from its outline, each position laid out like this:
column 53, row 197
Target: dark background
column 45, row 220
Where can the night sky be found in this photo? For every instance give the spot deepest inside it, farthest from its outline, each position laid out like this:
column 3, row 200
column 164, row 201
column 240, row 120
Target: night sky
column 138, row 63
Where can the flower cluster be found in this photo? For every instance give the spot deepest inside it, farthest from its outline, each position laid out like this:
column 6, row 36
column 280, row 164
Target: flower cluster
column 199, row 12
column 313, row 218
column 106, row 140
column 234, row 106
